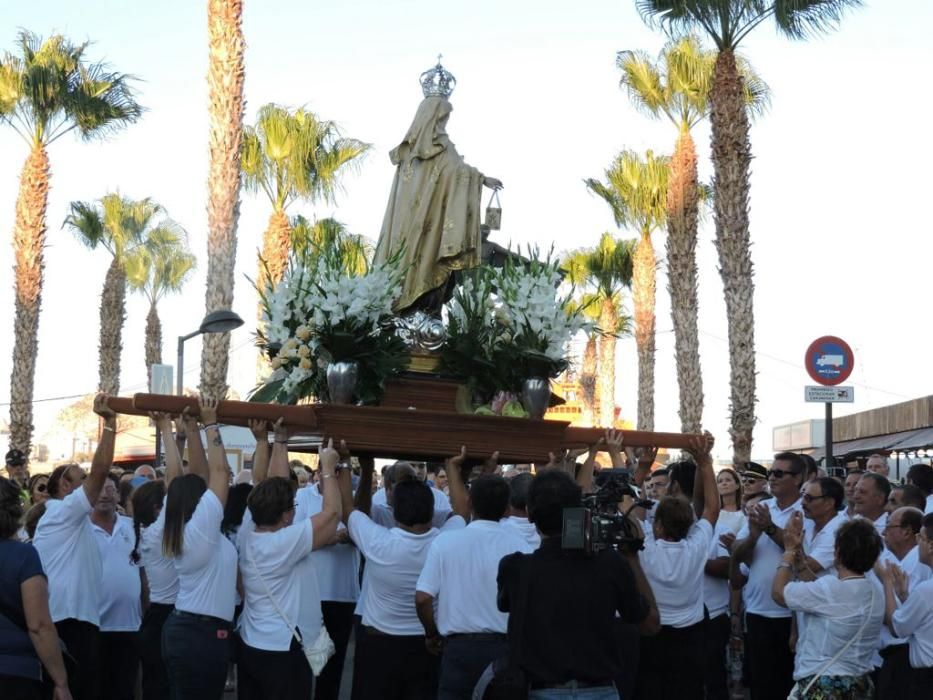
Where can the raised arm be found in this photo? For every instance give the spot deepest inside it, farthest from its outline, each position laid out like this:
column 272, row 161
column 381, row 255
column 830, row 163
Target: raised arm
column 103, row 455
column 278, row 465
column 364, row 491
column 584, row 477
column 219, row 472
column 614, row 448
column 459, row 498
column 260, row 431
column 706, row 495
column 324, row 524
column 173, row 466
column 197, row 458
column 644, row 457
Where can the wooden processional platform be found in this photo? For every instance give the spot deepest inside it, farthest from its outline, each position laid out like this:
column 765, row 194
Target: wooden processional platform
column 417, row 418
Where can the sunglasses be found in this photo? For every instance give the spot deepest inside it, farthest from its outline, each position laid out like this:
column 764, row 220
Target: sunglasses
column 779, row 473
column 750, row 479
column 807, row 498
column 42, row 488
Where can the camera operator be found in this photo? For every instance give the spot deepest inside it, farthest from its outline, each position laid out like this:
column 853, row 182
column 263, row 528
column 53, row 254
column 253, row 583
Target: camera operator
column 562, row 604
column 674, row 558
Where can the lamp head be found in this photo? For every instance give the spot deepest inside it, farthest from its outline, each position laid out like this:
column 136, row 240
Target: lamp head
column 220, row 321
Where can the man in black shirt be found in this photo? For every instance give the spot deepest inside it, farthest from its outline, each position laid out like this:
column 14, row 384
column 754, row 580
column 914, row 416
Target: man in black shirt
column 563, row 604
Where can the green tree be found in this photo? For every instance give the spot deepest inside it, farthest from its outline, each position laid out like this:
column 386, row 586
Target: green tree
column 225, row 71
column 727, row 23
column 677, row 87
column 636, row 192
column 47, row 89
column 119, row 226
column 161, row 266
column 602, row 274
column 328, row 234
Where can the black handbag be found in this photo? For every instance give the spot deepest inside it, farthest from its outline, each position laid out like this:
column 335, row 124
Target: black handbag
column 509, row 681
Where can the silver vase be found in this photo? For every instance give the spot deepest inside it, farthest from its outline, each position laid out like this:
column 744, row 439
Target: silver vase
column 342, row 378
column 536, row 395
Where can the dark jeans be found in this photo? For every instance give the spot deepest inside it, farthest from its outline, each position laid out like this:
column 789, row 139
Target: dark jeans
column 716, row 633
column 272, row 675
column 155, row 675
column 338, row 619
column 82, row 640
column 464, row 660
column 196, row 649
column 389, row 667
column 119, row 661
column 19, row 688
column 770, row 661
column 921, row 684
column 657, row 679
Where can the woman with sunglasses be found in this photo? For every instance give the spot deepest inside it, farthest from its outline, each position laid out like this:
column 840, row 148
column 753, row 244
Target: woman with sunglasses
column 38, row 488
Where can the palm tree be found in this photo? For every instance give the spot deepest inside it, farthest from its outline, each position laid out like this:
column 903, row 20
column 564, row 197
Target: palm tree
column 602, row 273
column 355, row 251
column 678, row 87
column 119, row 226
column 636, row 192
column 47, row 90
column 225, row 138
column 728, row 22
column 159, row 267
column 290, row 156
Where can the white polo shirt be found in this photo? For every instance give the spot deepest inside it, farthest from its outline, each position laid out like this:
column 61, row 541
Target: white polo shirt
column 381, row 513
column 913, row 621
column 460, row 573
column 835, row 611
column 208, row 563
column 120, row 605
column 524, row 529
column 70, row 558
column 917, row 573
column 765, row 558
column 337, row 567
column 821, row 546
column 160, row 571
column 929, row 508
column 274, row 557
column 716, row 590
column 675, row 572
column 394, row 559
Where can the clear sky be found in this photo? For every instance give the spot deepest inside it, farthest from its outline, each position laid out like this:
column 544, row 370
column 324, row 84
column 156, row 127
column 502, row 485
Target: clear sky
column 838, row 179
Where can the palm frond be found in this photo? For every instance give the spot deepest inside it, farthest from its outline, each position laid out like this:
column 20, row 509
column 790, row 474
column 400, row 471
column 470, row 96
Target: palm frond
column 799, row 19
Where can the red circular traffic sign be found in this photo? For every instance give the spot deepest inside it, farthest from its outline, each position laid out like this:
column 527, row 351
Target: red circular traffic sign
column 829, row 360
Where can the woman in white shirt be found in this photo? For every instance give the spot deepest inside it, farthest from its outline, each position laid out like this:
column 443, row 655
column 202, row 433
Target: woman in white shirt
column 196, row 642
column 272, row 546
column 842, row 614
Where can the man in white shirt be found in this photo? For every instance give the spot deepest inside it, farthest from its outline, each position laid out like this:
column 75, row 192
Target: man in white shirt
column 878, row 464
column 71, row 560
column 905, row 496
column 676, row 549
column 381, row 508
column 760, row 545
column 392, row 659
column 852, row 479
column 822, row 502
column 921, row 476
column 900, row 539
column 460, row 576
column 517, row 518
column 120, row 596
column 870, row 498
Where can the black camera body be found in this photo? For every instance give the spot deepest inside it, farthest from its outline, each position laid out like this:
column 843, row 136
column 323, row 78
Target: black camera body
column 597, row 524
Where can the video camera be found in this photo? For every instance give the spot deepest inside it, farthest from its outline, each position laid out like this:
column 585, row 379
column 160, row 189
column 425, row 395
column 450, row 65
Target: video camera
column 597, row 524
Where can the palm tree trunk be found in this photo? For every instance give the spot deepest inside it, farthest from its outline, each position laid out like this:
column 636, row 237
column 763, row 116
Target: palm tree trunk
column 682, row 221
column 225, row 84
column 28, row 248
column 276, row 244
column 153, row 340
column 643, row 294
column 112, row 316
column 588, row 381
column 606, row 397
column 731, row 163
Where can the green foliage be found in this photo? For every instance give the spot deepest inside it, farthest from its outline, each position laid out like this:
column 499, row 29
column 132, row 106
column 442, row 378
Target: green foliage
column 162, row 264
column 600, row 274
column 48, row 89
column 328, row 234
column 636, row 190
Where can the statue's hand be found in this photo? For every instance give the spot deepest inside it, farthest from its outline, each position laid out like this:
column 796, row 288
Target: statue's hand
column 492, row 183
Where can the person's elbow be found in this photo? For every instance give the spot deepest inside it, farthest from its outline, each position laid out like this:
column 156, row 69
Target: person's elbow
column 423, row 599
column 39, row 625
column 777, row 595
column 651, row 625
column 324, row 526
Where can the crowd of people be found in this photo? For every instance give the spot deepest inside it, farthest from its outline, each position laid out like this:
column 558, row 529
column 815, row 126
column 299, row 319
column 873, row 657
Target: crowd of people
column 457, row 580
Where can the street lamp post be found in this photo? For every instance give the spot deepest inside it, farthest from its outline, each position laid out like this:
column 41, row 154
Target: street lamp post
column 222, row 321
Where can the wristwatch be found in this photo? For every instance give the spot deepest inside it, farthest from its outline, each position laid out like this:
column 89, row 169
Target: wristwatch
column 770, row 530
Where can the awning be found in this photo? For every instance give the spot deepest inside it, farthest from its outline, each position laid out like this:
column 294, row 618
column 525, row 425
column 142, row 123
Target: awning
column 906, row 441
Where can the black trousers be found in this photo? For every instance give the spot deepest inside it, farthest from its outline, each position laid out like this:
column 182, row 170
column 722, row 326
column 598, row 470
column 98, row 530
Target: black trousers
column 657, row 679
column 19, row 688
column 155, row 675
column 82, row 640
column 628, row 642
column 770, row 661
column 119, row 662
column 715, row 640
column 272, row 675
column 921, row 684
column 389, row 667
column 338, row 619
column 196, row 649
column 464, row 660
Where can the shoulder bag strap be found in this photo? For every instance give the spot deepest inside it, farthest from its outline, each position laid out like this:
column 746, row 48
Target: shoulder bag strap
column 265, row 585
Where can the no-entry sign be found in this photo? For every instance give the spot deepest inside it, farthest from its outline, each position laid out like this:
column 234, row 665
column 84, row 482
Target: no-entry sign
column 829, row 360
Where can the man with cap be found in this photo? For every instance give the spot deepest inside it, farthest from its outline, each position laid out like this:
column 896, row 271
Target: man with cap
column 754, row 481
column 17, row 471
